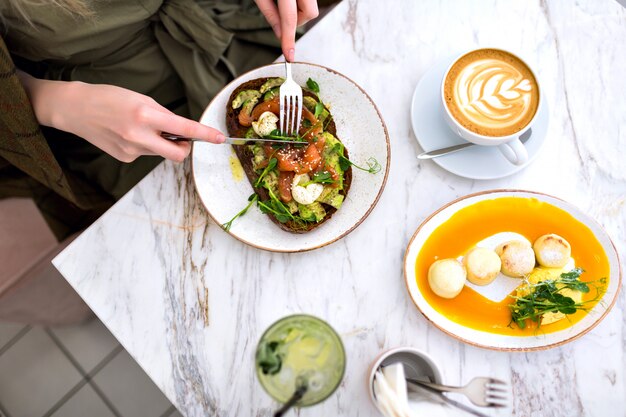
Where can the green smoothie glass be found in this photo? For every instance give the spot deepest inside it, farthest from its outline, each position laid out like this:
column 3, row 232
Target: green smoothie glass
column 300, row 360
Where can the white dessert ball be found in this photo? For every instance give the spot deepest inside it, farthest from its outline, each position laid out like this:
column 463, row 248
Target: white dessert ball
column 552, row 251
column 446, row 277
column 482, row 265
column 517, row 257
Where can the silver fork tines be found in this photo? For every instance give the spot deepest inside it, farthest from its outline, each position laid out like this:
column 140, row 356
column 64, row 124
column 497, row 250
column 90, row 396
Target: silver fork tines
column 495, row 393
column 290, row 104
column 481, row 391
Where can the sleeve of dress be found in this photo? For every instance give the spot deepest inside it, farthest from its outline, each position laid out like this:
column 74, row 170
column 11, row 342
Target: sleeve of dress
column 209, row 43
column 23, row 145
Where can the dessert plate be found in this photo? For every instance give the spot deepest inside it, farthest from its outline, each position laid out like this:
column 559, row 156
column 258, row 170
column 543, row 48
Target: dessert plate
column 510, row 341
column 224, row 189
column 432, row 132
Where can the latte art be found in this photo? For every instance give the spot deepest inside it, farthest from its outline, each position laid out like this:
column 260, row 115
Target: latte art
column 491, row 92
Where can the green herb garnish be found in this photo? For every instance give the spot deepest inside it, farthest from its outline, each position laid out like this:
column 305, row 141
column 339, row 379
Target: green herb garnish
column 313, row 86
column 373, row 167
column 272, row 206
column 282, row 213
column 319, row 108
column 323, row 177
column 276, row 207
column 327, row 122
column 270, row 166
column 269, row 359
column 226, row 226
column 571, row 280
column 545, row 297
column 275, row 134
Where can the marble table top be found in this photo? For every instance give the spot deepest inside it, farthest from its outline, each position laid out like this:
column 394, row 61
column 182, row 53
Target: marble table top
column 189, row 302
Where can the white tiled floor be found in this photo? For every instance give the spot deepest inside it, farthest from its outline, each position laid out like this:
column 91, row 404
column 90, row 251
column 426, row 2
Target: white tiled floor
column 7, row 332
column 84, row 403
column 77, row 371
column 89, row 344
column 121, row 376
column 35, row 374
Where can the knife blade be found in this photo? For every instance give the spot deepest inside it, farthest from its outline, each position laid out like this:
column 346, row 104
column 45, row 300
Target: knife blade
column 234, row 141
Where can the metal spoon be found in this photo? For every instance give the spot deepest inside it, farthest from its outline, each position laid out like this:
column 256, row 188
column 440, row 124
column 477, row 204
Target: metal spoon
column 452, row 149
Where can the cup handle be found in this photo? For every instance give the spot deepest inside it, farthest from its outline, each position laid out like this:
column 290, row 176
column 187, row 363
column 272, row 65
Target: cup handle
column 514, row 151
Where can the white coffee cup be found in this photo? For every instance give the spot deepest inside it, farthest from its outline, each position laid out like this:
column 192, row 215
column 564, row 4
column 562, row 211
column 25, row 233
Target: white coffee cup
column 511, row 146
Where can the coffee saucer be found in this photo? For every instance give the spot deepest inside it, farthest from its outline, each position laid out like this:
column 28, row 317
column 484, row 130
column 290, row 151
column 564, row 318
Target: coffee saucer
column 432, row 132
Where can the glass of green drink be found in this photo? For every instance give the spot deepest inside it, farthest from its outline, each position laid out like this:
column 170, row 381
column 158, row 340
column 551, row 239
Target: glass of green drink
column 300, row 359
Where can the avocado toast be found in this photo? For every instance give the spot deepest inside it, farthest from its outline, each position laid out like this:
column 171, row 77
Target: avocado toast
column 298, row 186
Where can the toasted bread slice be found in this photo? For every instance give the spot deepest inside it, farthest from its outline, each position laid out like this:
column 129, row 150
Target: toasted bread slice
column 245, row 155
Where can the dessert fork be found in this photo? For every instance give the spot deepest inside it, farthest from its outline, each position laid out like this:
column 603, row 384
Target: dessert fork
column 290, row 104
column 481, row 391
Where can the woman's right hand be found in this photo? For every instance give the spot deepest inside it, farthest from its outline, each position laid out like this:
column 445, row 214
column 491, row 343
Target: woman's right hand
column 284, row 16
column 121, row 122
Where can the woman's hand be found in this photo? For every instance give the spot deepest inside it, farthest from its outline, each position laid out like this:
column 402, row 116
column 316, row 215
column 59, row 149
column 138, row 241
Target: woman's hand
column 122, row 123
column 285, row 18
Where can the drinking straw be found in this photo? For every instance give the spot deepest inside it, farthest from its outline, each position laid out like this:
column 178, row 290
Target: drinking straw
column 297, row 396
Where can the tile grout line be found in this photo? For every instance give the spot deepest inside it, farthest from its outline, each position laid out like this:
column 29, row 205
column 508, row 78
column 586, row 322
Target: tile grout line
column 103, row 397
column 66, row 397
column 14, row 339
column 4, row 349
column 87, row 377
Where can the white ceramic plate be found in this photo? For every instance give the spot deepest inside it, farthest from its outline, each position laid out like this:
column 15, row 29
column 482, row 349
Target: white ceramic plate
column 498, row 341
column 359, row 126
column 432, row 132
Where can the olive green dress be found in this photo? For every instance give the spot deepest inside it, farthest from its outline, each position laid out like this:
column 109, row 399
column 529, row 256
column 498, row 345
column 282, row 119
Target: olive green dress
column 179, row 52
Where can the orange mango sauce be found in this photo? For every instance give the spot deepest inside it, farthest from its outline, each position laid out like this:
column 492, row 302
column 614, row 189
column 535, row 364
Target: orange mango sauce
column 528, row 217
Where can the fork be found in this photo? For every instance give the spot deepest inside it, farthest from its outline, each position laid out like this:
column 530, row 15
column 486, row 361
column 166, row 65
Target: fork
column 290, row 104
column 481, row 391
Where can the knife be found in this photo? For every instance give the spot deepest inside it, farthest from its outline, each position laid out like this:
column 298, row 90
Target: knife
column 452, row 149
column 234, row 141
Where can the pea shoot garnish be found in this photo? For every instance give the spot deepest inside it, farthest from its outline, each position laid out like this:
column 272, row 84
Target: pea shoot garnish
column 270, row 166
column 252, row 199
column 373, row 167
column 547, row 297
column 319, row 108
column 313, row 86
column 323, row 177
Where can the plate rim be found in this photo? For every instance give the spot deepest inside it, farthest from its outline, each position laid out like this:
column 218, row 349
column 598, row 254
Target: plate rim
column 348, row 231
column 511, row 349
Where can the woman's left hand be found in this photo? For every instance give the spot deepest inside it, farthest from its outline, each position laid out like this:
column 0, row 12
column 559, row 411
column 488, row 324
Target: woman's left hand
column 121, row 122
column 285, row 18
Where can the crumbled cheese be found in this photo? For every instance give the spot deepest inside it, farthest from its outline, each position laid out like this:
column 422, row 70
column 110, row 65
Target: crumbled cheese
column 305, row 195
column 267, row 123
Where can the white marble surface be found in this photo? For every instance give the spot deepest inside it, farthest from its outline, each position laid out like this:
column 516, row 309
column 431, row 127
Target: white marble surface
column 189, row 302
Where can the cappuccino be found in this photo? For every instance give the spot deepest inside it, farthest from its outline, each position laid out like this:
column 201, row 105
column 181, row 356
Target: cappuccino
column 491, row 92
